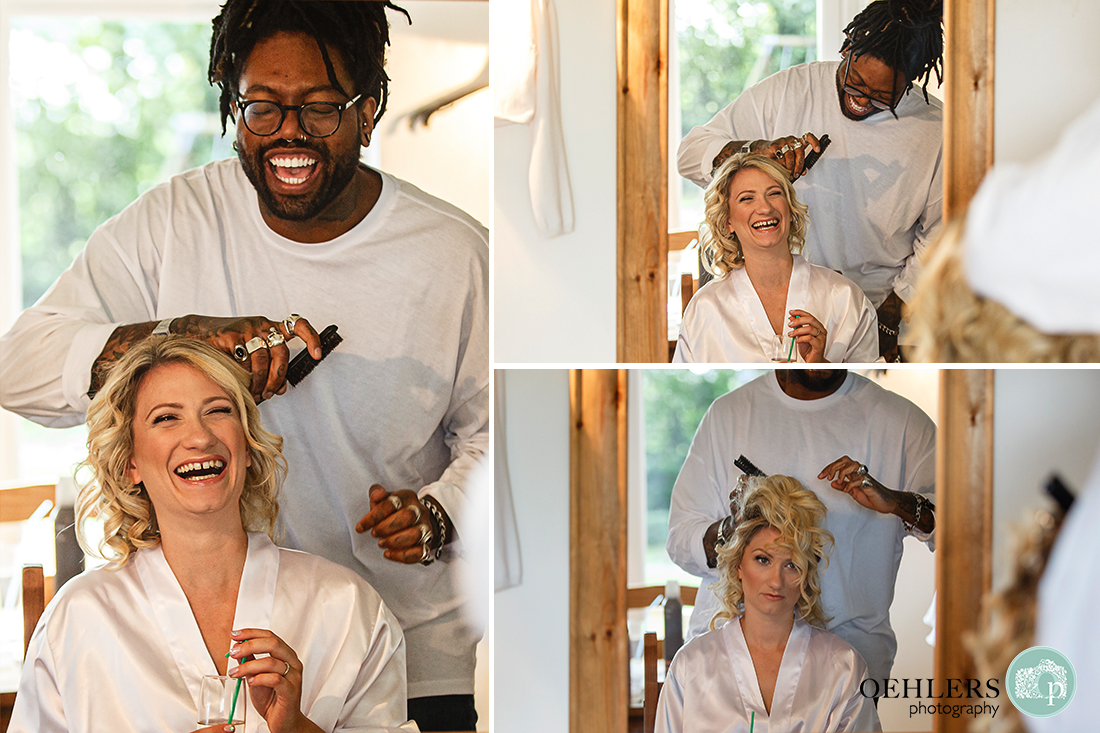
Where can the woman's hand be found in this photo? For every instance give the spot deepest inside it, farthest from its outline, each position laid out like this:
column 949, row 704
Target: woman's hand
column 809, row 334
column 274, row 682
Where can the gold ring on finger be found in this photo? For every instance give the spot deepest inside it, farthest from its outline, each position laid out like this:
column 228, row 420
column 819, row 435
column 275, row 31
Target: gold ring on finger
column 287, row 670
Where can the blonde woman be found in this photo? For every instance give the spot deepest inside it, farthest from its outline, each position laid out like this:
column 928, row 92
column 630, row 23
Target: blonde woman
column 767, row 296
column 186, row 483
column 767, row 662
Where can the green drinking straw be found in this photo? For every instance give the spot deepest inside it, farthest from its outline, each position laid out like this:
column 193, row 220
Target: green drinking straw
column 752, row 720
column 237, row 691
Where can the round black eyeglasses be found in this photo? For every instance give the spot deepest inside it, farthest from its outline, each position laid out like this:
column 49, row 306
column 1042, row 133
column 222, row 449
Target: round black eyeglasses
column 317, row 119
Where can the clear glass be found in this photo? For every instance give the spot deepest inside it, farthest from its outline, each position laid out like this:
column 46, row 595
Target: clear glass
column 217, row 696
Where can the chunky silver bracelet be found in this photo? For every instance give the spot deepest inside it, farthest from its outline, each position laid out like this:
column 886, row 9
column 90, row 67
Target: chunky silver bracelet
column 437, row 515
column 915, row 525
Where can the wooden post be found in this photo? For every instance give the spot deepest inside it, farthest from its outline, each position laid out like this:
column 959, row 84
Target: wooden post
column 969, row 27
column 964, row 521
column 599, row 684
column 642, row 181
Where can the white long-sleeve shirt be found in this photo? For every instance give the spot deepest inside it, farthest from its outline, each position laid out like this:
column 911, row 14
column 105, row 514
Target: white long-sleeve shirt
column 798, row 438
column 876, row 194
column 403, row 401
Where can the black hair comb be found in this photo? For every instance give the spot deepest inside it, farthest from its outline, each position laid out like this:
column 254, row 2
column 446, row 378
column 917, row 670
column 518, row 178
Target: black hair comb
column 748, row 467
column 303, row 364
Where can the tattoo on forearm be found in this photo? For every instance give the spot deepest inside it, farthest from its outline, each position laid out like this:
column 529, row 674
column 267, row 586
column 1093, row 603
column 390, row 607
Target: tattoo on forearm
column 120, row 342
column 907, row 506
column 731, row 149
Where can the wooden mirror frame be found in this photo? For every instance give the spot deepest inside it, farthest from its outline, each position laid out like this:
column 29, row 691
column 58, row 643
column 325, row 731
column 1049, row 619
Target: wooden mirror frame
column 598, row 683
column 642, row 239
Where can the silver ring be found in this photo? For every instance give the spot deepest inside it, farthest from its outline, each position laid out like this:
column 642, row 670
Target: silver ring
column 783, row 151
column 867, row 483
column 396, row 502
column 425, row 553
column 240, row 353
column 796, row 144
column 255, row 344
column 425, row 534
column 287, row 670
column 416, row 510
column 290, row 321
column 862, row 470
column 274, row 338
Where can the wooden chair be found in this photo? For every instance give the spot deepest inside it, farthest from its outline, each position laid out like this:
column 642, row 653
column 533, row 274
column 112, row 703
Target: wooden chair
column 17, row 504
column 34, row 602
column 679, row 241
column 653, row 648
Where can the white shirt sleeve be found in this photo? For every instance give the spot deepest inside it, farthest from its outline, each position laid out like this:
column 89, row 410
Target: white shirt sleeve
column 696, row 501
column 742, row 119
column 466, row 421
column 46, row 358
column 40, row 708
column 864, row 344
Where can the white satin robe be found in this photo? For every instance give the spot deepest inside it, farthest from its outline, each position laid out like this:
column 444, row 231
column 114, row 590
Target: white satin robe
column 711, row 686
column 726, row 323
column 121, row 651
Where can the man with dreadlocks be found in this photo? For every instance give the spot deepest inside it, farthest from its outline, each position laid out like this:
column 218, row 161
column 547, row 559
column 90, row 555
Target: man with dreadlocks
column 382, row 436
column 875, row 196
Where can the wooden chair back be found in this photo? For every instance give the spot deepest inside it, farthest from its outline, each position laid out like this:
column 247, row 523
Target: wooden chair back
column 653, row 648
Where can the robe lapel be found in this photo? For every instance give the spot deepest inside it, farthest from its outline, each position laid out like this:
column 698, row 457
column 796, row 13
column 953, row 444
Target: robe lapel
column 790, row 669
column 797, row 292
column 748, row 688
column 753, row 309
column 172, row 614
column 255, row 602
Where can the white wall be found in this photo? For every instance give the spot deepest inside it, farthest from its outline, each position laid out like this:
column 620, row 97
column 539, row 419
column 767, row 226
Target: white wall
column 1044, row 421
column 555, row 298
column 1045, row 74
column 531, row 639
column 446, row 47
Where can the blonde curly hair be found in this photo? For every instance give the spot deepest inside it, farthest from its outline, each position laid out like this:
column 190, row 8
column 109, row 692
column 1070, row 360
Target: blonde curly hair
column 780, row 502
column 952, row 323
column 721, row 250
column 129, row 517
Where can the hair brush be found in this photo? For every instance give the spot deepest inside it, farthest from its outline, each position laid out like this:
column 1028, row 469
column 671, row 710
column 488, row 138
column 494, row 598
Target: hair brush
column 748, row 467
column 303, row 364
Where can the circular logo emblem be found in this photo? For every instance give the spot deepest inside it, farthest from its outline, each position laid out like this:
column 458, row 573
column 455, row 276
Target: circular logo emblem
column 1040, row 682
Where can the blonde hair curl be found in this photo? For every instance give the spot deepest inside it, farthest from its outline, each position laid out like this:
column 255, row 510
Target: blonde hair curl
column 721, row 250
column 952, row 323
column 128, row 515
column 780, row 502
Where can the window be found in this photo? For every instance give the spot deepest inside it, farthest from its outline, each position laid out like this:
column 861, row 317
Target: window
column 719, row 49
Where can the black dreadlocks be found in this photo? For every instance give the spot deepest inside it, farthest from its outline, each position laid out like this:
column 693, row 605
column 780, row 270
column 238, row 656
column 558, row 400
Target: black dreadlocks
column 906, row 35
column 358, row 30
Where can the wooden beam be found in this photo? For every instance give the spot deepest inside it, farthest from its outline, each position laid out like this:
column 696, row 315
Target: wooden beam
column 964, row 521
column 599, row 685
column 642, row 232
column 969, row 29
